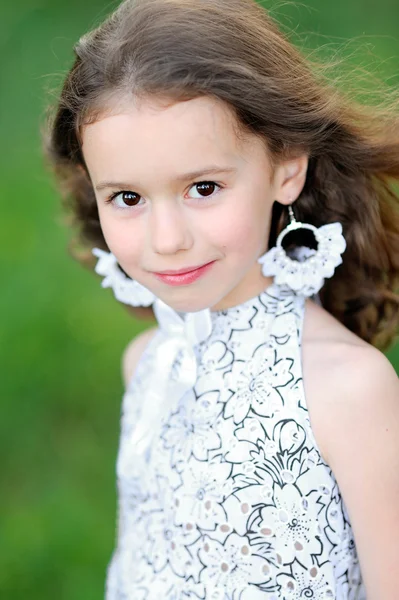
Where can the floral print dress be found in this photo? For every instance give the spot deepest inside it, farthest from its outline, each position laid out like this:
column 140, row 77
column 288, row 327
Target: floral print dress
column 232, row 500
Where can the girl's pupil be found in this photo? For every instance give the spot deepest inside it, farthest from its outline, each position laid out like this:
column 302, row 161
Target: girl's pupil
column 205, row 187
column 130, row 198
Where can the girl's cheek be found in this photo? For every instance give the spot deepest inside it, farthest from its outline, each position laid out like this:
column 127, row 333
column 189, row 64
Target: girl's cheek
column 232, row 230
column 114, row 227
column 123, row 241
column 127, row 244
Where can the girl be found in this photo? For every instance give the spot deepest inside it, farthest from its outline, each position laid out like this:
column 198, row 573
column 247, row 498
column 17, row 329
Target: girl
column 221, row 181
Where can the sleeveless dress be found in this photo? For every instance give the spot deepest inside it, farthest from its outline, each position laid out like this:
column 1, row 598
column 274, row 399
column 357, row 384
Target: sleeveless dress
column 233, row 500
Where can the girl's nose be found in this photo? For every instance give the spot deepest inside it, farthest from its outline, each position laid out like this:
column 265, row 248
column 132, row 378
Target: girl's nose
column 169, row 231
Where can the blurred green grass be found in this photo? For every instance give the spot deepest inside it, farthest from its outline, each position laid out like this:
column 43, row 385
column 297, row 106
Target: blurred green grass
column 61, row 335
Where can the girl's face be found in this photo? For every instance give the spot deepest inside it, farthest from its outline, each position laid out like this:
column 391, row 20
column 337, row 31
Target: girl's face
column 186, row 193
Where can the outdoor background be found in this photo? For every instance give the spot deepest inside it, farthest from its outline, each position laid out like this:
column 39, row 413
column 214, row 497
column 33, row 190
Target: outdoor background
column 61, row 335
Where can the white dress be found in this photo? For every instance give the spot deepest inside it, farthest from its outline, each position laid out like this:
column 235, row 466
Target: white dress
column 232, row 500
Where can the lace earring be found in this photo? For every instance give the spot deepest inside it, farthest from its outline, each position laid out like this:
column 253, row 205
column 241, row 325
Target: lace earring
column 126, row 290
column 304, row 269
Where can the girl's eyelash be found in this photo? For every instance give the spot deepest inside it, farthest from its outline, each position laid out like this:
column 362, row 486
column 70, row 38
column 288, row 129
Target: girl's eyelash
column 112, row 197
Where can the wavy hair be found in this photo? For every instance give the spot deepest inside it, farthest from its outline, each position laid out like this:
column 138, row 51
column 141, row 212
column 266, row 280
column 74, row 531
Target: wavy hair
column 233, row 50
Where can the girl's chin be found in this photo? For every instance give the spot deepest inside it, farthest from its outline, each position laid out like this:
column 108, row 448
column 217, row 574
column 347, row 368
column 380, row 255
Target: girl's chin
column 186, row 305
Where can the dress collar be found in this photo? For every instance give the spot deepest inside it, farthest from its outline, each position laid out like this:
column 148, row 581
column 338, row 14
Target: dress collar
column 194, row 327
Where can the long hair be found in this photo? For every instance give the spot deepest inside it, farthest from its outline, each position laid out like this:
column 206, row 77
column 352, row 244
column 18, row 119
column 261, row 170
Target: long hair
column 233, row 50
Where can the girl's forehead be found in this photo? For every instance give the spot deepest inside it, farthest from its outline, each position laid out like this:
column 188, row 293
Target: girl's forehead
column 176, row 138
column 203, row 117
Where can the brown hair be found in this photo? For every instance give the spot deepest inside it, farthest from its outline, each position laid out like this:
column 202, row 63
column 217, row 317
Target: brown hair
column 232, row 50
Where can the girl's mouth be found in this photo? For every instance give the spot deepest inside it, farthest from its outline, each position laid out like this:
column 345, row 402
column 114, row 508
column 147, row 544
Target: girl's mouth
column 184, row 277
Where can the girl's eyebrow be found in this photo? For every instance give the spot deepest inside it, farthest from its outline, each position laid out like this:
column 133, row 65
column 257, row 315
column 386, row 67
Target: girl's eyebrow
column 212, row 170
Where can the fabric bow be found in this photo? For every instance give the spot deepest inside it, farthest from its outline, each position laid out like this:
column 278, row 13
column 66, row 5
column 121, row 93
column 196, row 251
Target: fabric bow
column 180, row 336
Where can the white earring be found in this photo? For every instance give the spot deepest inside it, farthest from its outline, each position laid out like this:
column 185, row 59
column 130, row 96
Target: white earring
column 126, row 290
column 306, row 274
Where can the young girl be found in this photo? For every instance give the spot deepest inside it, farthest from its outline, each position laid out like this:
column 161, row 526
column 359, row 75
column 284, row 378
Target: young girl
column 221, row 181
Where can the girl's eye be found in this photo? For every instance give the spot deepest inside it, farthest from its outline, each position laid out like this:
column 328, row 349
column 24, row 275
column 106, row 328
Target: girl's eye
column 124, row 199
column 127, row 199
column 205, row 188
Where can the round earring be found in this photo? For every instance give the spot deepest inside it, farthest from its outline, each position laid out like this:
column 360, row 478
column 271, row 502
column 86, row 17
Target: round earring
column 305, row 273
column 126, row 290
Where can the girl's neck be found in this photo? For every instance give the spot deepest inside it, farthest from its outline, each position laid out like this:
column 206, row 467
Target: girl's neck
column 251, row 286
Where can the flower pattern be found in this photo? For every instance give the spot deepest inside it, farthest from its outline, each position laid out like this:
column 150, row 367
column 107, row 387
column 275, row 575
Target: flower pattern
column 256, row 385
column 190, row 430
column 292, row 521
column 233, row 500
column 232, row 565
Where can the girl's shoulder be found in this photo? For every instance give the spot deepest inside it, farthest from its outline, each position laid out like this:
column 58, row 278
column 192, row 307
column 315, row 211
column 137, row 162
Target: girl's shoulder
column 352, row 392
column 344, row 378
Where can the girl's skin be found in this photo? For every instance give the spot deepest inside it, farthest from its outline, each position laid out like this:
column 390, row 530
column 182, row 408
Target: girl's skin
column 351, row 388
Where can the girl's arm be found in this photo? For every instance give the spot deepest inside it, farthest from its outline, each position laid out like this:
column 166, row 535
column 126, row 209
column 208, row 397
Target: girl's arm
column 361, row 435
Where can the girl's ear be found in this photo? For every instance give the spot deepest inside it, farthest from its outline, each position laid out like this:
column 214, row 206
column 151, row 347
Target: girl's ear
column 290, row 177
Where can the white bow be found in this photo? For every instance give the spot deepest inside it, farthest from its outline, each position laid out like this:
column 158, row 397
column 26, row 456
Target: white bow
column 181, row 335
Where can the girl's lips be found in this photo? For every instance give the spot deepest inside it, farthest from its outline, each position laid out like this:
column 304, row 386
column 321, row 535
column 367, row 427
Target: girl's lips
column 185, row 277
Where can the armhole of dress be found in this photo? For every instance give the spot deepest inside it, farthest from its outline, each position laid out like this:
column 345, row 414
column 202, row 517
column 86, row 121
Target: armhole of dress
column 300, row 311
column 145, row 353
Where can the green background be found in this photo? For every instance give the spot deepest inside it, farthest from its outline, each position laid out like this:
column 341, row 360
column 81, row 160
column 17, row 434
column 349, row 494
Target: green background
column 61, row 335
